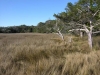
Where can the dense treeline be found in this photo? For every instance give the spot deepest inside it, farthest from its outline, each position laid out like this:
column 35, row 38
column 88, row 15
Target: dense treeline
column 46, row 27
column 17, row 29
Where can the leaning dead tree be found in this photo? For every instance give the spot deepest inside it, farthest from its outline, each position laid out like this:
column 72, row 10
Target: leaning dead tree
column 87, row 22
column 58, row 29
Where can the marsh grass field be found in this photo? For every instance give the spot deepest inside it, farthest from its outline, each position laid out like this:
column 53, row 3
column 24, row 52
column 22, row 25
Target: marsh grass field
column 47, row 54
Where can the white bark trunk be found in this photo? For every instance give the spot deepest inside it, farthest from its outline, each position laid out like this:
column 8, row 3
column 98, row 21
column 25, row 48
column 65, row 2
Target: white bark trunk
column 89, row 34
column 81, row 34
column 60, row 34
column 90, row 40
column 59, row 31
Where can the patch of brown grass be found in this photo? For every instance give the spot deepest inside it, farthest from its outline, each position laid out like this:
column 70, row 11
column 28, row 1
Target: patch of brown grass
column 47, row 54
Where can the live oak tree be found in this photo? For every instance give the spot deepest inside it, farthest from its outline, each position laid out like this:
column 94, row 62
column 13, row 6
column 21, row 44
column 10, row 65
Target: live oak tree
column 88, row 18
column 82, row 16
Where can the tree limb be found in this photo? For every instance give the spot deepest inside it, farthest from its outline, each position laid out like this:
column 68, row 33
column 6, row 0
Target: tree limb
column 80, row 11
column 76, row 29
column 95, row 12
column 87, row 31
column 96, row 32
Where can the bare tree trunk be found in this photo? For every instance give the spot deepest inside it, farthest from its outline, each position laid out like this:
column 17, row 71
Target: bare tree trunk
column 59, row 30
column 89, row 40
column 89, row 34
column 60, row 34
column 81, row 34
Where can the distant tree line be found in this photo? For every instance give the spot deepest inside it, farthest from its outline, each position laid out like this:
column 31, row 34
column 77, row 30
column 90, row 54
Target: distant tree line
column 17, row 29
column 41, row 27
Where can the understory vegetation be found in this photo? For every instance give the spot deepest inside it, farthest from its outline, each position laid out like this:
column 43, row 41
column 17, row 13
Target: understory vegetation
column 47, row 54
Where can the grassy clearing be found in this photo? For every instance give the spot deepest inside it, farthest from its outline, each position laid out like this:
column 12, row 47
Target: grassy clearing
column 47, row 54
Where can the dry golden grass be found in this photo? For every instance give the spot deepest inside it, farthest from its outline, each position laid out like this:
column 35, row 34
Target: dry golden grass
column 47, row 54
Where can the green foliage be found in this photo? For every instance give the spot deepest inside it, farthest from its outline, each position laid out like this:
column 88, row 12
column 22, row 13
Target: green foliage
column 80, row 13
